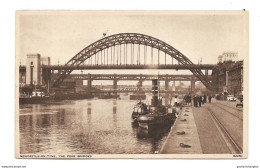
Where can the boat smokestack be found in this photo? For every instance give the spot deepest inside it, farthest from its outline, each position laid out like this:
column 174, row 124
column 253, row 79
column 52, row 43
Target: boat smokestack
column 155, row 93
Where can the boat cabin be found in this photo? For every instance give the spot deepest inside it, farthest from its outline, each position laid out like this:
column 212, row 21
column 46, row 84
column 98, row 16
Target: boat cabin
column 38, row 94
column 140, row 108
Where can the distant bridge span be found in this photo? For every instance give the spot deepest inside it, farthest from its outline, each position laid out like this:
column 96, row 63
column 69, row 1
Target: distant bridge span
column 138, row 77
column 135, row 90
column 108, row 51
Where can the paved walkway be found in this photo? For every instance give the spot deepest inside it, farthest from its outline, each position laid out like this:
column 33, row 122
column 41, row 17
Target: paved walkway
column 210, row 137
column 231, row 118
column 191, row 138
column 207, row 129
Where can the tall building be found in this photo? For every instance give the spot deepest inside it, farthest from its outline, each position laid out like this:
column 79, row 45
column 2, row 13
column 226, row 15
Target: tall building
column 228, row 56
column 228, row 77
column 33, row 69
column 22, row 75
column 44, row 61
column 235, row 78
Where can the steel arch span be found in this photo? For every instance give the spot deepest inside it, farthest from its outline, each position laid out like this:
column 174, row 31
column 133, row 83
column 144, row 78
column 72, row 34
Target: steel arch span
column 129, row 38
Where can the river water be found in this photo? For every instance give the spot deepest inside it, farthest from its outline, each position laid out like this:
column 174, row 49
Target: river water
column 90, row 126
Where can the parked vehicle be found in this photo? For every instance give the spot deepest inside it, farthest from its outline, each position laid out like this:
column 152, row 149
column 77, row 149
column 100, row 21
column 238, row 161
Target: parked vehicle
column 231, row 98
column 240, row 98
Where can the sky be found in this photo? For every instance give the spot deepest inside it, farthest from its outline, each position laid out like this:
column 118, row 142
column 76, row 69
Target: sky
column 61, row 35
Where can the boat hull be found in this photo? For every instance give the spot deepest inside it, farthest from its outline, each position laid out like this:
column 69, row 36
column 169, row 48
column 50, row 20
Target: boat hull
column 72, row 96
column 149, row 121
column 109, row 97
column 134, row 116
column 137, row 97
column 35, row 100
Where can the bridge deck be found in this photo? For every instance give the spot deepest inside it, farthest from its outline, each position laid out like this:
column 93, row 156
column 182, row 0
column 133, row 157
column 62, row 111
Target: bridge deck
column 129, row 66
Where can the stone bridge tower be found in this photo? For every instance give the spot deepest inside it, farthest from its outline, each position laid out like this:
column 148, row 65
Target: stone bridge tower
column 33, row 69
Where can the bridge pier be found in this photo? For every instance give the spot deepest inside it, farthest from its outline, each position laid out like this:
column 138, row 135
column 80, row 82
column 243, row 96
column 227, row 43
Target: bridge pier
column 140, row 83
column 52, row 76
column 89, row 82
column 173, row 85
column 78, row 85
column 206, row 73
column 115, row 85
column 166, row 89
column 192, row 86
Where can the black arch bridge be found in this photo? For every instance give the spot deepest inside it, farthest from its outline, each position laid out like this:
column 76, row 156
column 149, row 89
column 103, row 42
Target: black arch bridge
column 108, row 51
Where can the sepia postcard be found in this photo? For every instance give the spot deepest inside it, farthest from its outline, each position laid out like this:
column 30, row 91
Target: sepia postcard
column 131, row 84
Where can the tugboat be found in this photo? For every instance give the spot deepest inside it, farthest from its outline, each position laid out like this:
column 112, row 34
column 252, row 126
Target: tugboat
column 156, row 114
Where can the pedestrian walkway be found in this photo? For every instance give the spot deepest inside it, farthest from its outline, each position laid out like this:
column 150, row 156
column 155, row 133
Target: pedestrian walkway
column 189, row 140
column 213, row 128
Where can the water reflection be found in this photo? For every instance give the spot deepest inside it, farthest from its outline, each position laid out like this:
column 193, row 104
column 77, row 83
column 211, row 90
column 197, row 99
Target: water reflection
column 36, row 129
column 114, row 106
column 85, row 126
column 155, row 132
column 89, row 108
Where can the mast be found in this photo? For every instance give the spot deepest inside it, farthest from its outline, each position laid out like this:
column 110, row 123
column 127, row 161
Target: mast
column 155, row 93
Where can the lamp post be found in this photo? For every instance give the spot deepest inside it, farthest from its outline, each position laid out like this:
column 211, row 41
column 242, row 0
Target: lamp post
column 31, row 69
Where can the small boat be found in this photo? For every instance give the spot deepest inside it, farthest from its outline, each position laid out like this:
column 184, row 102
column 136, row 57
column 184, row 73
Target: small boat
column 37, row 97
